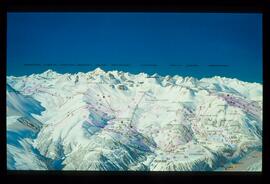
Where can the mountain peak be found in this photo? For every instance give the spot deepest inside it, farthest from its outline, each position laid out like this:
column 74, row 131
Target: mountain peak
column 98, row 71
column 49, row 73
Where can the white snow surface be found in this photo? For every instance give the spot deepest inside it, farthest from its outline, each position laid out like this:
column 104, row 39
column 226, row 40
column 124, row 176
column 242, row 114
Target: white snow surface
column 117, row 121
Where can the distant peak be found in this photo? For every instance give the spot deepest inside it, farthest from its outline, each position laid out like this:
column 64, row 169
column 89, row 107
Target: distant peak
column 155, row 75
column 98, row 71
column 49, row 73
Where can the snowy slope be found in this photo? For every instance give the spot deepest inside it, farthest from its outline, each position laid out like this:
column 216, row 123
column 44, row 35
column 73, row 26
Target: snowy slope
column 22, row 128
column 119, row 121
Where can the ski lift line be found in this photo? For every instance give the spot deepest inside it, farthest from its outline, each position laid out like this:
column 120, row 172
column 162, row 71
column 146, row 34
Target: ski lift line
column 131, row 102
column 106, row 100
column 133, row 113
column 121, row 132
column 133, row 99
column 196, row 119
column 38, row 87
column 222, row 133
column 77, row 93
column 237, row 102
column 149, row 95
column 206, row 109
column 81, row 107
column 67, row 114
column 106, row 109
column 226, row 137
column 44, row 90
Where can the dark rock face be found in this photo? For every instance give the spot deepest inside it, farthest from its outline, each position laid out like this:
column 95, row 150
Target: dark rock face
column 122, row 87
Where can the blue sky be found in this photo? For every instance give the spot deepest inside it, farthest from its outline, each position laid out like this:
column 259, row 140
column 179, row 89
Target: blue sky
column 163, row 39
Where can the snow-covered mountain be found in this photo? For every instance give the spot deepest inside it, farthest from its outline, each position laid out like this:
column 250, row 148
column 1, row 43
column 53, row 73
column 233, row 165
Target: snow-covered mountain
column 22, row 128
column 119, row 121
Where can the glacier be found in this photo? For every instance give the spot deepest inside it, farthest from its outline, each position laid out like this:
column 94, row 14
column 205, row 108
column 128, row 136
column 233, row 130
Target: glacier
column 118, row 121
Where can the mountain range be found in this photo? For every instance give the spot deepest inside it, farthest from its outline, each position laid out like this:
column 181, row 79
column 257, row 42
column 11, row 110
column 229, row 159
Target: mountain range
column 118, row 121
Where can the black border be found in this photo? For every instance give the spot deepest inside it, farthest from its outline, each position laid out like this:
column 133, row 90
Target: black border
column 236, row 6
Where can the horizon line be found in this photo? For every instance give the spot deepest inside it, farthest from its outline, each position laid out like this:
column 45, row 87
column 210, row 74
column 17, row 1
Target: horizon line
column 163, row 76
